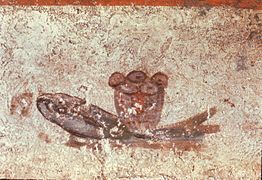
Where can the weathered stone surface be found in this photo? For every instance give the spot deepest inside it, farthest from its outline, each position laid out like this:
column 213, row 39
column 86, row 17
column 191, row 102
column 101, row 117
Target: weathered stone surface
column 212, row 57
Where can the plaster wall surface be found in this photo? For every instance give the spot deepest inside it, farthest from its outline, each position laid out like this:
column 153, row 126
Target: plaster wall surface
column 211, row 55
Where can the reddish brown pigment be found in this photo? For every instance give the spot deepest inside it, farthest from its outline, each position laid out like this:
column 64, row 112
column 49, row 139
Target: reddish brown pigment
column 21, row 104
column 250, row 4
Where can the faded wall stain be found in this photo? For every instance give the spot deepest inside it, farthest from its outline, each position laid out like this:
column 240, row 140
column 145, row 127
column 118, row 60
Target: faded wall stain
column 21, row 104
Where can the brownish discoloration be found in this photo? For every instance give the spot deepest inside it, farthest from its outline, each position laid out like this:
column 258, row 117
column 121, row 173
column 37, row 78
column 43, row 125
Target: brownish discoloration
column 176, row 146
column 228, row 101
column 21, row 104
column 256, row 37
column 72, row 142
column 208, row 129
column 77, row 143
column 139, row 101
column 251, row 126
column 241, row 63
column 44, row 137
column 252, row 4
column 166, row 45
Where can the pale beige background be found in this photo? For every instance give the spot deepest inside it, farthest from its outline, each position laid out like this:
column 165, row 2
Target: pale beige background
column 209, row 54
